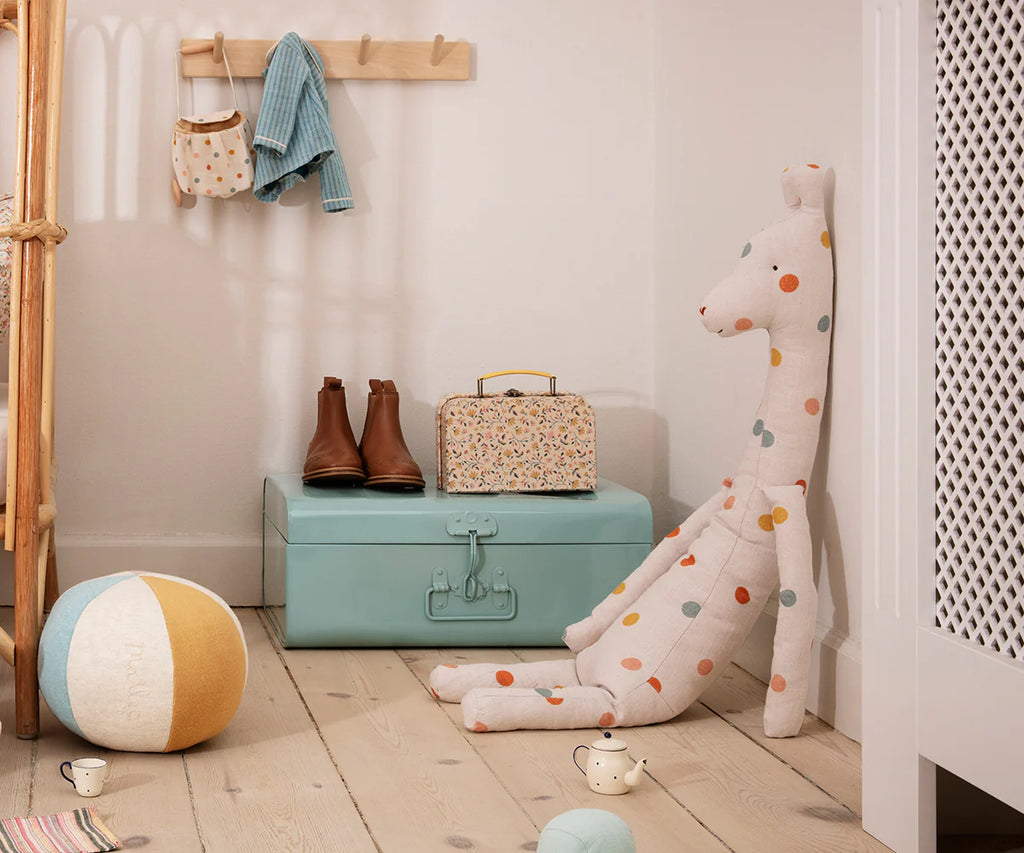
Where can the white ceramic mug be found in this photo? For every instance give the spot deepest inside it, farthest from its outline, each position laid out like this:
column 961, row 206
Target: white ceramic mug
column 87, row 775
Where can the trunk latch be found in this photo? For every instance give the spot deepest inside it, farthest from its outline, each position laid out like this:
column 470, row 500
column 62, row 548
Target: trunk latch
column 439, row 603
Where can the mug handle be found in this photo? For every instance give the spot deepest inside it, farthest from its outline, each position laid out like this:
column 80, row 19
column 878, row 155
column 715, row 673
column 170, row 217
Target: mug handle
column 574, row 761
column 67, row 764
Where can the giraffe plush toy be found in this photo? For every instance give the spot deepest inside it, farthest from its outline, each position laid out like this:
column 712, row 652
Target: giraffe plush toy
column 663, row 635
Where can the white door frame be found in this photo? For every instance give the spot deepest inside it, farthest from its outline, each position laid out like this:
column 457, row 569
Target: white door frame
column 928, row 697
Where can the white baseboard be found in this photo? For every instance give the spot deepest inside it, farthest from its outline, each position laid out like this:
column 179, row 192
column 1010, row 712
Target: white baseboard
column 230, row 566
column 833, row 693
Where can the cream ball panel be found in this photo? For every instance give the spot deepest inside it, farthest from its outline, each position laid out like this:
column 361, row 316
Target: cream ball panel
column 120, row 670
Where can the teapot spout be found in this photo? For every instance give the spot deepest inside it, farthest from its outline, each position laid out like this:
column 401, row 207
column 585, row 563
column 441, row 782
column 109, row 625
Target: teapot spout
column 633, row 777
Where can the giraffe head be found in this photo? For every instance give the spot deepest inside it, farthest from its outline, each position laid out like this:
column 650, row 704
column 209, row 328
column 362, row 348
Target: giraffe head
column 784, row 276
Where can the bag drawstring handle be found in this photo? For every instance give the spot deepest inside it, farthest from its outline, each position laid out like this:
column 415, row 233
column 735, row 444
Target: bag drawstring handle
column 177, row 77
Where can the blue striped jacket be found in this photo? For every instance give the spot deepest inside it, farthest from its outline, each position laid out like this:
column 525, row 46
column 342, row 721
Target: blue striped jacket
column 294, row 138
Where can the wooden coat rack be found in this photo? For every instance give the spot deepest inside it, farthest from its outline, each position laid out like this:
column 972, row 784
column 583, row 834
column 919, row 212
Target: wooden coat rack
column 366, row 59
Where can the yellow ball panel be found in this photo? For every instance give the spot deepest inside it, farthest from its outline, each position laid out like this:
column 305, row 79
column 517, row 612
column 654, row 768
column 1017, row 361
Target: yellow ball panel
column 209, row 661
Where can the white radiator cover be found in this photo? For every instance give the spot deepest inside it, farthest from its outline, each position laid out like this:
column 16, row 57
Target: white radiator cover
column 980, row 323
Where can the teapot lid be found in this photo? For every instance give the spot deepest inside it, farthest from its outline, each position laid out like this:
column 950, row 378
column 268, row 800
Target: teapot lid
column 607, row 743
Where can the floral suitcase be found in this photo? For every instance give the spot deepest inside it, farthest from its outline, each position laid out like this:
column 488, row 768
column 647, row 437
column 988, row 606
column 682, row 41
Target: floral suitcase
column 515, row 441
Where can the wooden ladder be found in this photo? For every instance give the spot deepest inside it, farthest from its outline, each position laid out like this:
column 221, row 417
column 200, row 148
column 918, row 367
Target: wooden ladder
column 27, row 531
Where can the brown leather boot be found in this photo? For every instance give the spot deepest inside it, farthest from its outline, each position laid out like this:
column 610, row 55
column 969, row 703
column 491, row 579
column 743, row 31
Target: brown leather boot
column 332, row 457
column 388, row 461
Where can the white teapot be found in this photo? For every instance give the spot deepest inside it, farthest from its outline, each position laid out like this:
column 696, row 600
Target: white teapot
column 609, row 769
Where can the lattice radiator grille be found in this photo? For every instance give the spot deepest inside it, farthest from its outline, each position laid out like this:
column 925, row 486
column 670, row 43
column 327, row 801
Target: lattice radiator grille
column 980, row 322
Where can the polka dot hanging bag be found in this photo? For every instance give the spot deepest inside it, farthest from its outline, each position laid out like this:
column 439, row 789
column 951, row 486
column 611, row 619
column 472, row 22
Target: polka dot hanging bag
column 6, row 265
column 212, row 154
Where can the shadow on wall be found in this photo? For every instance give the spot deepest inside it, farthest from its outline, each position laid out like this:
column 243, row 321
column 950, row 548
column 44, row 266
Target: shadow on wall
column 826, row 536
column 827, row 550
column 195, row 339
column 623, row 427
column 669, row 512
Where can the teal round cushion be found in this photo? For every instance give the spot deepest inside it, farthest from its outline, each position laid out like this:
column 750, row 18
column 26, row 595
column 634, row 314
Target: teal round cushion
column 586, row 831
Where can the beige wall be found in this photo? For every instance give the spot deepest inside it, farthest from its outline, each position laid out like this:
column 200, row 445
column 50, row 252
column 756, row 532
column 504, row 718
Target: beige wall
column 500, row 223
column 741, row 91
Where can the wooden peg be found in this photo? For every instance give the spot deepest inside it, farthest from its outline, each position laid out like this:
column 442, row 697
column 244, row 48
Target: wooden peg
column 435, row 54
column 364, row 49
column 216, row 44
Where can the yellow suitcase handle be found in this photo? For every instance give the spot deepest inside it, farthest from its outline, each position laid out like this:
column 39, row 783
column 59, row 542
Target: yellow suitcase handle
column 480, row 380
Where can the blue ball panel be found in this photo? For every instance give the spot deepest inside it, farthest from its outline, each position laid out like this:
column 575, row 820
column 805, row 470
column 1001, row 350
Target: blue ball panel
column 55, row 642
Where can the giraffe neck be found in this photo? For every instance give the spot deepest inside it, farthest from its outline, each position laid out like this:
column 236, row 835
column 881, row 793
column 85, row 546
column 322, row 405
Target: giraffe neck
column 784, row 436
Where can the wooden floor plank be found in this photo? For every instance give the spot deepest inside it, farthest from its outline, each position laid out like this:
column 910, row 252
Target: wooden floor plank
column 741, row 792
column 819, row 752
column 348, row 750
column 15, row 754
column 416, row 780
column 537, row 769
column 145, row 798
column 267, row 782
column 737, row 789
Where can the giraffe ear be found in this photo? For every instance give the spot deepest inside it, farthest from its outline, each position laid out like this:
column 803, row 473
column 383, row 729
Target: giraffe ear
column 804, row 186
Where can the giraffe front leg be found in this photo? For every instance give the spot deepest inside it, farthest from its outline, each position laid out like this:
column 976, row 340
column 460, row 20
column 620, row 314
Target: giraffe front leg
column 798, row 600
column 556, row 707
column 563, row 707
column 673, row 547
column 451, row 682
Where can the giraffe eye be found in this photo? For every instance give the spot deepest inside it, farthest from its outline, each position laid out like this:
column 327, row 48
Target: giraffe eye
column 774, row 267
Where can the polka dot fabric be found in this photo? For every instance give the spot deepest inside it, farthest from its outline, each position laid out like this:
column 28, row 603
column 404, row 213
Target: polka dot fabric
column 6, row 262
column 662, row 636
column 212, row 155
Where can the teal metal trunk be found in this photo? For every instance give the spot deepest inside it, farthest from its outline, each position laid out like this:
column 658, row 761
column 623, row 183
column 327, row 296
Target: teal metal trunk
column 359, row 567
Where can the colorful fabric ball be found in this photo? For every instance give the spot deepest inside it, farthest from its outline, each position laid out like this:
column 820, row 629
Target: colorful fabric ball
column 586, row 831
column 142, row 662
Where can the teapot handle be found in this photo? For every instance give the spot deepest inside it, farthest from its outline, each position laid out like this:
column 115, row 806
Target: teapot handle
column 574, row 761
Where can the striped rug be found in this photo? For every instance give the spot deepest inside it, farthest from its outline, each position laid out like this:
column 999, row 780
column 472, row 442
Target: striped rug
column 79, row 831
